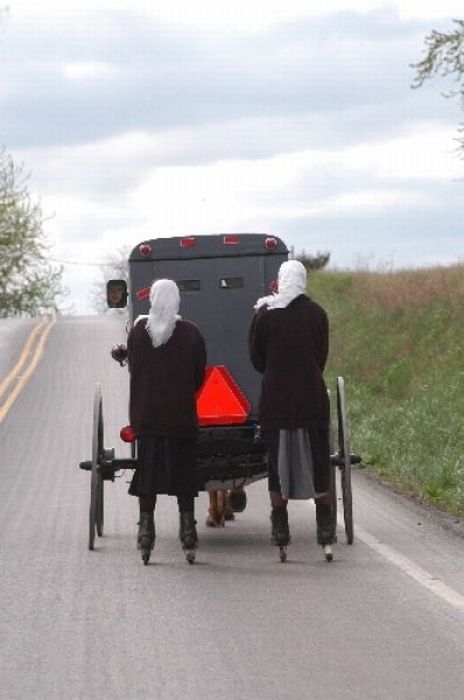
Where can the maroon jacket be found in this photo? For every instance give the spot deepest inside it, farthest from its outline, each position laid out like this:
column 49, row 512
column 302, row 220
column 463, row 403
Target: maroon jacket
column 289, row 347
column 164, row 380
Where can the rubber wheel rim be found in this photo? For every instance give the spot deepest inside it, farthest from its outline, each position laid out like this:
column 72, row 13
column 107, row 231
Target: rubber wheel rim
column 96, row 482
column 344, row 451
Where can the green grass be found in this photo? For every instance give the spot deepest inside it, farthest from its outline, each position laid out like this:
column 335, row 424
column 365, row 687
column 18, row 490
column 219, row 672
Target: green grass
column 397, row 339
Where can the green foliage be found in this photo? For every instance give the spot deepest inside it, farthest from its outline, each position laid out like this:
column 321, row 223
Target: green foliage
column 397, row 340
column 398, row 378
column 444, row 57
column 28, row 283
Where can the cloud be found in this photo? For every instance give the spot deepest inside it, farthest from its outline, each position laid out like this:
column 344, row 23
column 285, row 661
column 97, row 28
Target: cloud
column 102, row 77
column 253, row 15
column 352, row 184
column 297, row 118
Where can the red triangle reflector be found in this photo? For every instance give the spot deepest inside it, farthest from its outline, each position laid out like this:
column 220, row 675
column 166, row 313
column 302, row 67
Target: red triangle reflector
column 220, row 401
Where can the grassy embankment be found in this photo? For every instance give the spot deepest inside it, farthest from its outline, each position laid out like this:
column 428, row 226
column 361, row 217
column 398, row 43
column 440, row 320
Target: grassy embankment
column 398, row 339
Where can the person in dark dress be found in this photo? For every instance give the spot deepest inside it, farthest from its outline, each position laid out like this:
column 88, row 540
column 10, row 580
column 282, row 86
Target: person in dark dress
column 289, row 343
column 167, row 361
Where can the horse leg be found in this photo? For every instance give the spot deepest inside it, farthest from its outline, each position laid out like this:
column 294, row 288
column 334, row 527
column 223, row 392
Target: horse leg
column 213, row 518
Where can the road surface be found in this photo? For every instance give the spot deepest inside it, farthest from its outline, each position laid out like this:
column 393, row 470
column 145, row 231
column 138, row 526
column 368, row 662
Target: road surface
column 384, row 621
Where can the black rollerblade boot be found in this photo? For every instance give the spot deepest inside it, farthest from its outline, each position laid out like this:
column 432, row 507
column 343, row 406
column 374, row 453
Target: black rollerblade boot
column 280, row 534
column 146, row 536
column 188, row 535
column 325, row 529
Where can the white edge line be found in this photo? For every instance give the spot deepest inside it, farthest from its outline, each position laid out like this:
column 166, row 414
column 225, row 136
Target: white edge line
column 421, row 576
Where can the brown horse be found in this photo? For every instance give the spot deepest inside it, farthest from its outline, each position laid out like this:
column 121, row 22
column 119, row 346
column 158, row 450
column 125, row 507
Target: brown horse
column 223, row 504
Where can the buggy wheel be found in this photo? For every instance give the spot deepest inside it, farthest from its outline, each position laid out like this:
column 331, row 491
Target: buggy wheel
column 96, row 481
column 345, row 456
column 333, row 480
column 100, row 518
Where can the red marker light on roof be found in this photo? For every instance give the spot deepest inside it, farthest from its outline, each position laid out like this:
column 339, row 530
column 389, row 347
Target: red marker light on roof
column 127, row 434
column 270, row 243
column 144, row 249
column 230, row 240
column 188, row 242
column 143, row 293
column 220, row 401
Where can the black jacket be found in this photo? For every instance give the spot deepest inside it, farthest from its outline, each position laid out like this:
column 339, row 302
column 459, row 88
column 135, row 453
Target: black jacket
column 164, row 380
column 289, row 347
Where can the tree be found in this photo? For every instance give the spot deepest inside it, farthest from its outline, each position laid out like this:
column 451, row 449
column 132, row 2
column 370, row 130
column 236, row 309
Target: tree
column 28, row 283
column 114, row 268
column 313, row 262
column 445, row 57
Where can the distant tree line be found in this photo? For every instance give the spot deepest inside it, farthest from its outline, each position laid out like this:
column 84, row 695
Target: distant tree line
column 313, row 262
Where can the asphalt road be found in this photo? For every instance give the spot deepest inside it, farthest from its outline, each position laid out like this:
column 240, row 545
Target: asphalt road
column 385, row 620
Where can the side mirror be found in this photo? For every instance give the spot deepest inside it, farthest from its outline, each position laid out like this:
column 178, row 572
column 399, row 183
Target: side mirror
column 116, row 294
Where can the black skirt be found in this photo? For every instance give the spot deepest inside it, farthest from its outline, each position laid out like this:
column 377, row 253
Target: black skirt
column 165, row 465
column 319, row 440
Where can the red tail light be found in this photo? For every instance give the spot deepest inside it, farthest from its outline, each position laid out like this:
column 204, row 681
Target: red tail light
column 274, row 287
column 188, row 242
column 230, row 240
column 127, row 434
column 144, row 249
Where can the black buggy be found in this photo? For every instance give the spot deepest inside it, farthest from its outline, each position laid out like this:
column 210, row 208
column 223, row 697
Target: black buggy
column 219, row 278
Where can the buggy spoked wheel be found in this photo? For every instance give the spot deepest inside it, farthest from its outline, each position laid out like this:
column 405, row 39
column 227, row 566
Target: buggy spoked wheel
column 99, row 521
column 333, row 482
column 96, row 481
column 345, row 458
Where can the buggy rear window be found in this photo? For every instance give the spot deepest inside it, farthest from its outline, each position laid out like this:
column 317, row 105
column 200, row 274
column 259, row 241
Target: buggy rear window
column 231, row 282
column 189, row 285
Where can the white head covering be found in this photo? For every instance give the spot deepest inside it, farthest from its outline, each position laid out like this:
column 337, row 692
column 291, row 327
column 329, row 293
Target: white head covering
column 164, row 305
column 291, row 282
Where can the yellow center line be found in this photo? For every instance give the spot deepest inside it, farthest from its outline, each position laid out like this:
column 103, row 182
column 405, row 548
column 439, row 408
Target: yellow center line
column 13, row 374
column 22, row 381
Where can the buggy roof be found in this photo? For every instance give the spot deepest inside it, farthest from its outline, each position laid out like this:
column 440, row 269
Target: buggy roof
column 218, row 245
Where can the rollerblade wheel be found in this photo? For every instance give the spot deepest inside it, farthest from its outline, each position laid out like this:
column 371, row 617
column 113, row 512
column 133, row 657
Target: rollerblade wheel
column 283, row 554
column 328, row 552
column 146, row 556
column 190, row 556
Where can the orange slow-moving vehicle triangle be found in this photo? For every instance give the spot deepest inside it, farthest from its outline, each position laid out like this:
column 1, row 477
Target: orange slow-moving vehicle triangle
column 220, row 401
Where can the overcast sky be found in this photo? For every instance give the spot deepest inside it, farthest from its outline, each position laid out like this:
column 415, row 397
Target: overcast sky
column 177, row 117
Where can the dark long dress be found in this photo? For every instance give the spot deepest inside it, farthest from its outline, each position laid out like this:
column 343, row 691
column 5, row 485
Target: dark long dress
column 162, row 409
column 289, row 347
